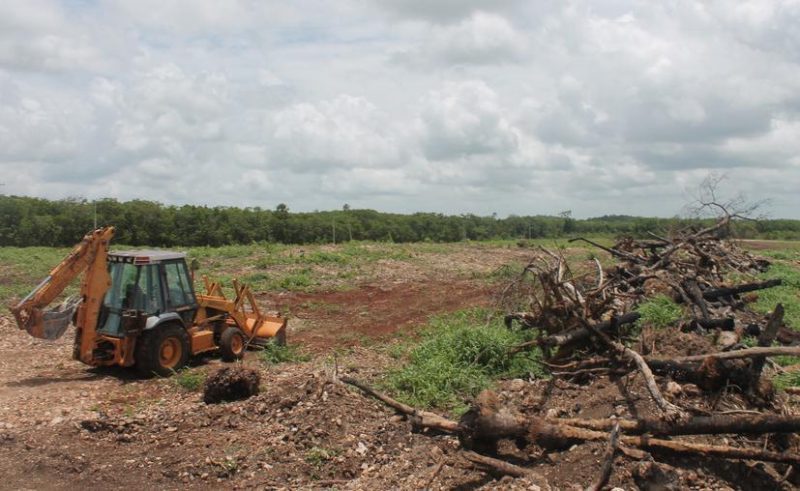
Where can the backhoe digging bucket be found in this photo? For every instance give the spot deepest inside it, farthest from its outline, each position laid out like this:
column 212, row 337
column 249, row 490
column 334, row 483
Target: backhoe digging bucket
column 54, row 322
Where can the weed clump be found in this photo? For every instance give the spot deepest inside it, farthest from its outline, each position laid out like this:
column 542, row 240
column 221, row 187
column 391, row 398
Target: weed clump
column 659, row 312
column 458, row 356
column 786, row 380
column 190, row 380
column 274, row 353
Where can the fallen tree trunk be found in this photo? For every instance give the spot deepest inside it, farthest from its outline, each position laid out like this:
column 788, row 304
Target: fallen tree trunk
column 698, row 425
column 713, row 294
column 732, row 355
column 480, row 424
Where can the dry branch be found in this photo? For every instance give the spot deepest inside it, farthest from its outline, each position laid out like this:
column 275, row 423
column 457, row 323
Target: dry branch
column 501, row 467
column 583, row 333
column 670, row 410
column 736, row 290
column 766, row 338
column 608, row 461
column 420, row 418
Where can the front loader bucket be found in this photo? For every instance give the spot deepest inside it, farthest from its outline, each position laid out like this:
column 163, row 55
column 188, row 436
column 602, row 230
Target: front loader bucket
column 243, row 311
column 263, row 329
column 271, row 327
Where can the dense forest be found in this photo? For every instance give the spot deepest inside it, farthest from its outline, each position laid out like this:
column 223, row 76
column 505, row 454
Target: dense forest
column 26, row 221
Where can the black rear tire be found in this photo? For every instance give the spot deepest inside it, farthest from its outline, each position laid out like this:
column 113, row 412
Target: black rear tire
column 232, row 344
column 162, row 350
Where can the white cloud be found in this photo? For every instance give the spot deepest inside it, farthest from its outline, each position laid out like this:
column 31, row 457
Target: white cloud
column 464, row 119
column 514, row 107
column 344, row 132
column 483, row 39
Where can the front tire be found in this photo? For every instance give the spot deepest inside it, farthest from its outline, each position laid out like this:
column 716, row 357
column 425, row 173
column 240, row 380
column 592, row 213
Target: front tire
column 232, row 344
column 162, row 350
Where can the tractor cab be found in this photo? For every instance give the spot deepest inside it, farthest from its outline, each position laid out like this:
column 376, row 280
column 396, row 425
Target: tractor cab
column 153, row 284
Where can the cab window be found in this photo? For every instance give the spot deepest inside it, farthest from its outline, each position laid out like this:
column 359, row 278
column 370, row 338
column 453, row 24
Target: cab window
column 178, row 286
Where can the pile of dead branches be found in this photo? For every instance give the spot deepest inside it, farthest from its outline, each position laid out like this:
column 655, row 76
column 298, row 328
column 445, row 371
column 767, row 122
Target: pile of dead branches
column 583, row 321
column 575, row 313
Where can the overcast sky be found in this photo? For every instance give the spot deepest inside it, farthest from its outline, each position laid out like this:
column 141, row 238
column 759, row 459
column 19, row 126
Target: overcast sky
column 454, row 106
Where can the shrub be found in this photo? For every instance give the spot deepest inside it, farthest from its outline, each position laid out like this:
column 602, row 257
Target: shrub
column 458, row 356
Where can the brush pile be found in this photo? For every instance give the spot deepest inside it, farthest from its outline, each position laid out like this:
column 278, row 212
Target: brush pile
column 588, row 327
column 231, row 384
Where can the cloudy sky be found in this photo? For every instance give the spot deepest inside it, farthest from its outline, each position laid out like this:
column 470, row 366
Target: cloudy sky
column 454, row 106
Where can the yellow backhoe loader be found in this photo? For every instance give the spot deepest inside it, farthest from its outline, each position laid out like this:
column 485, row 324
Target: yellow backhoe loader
column 139, row 308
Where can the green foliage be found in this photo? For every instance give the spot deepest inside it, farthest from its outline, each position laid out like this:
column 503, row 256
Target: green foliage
column 786, row 293
column 26, row 221
column 786, row 361
column 659, row 312
column 189, row 379
column 788, row 379
column 457, row 356
column 274, row 353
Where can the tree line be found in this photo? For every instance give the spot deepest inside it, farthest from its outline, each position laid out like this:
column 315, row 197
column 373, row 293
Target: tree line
column 27, row 221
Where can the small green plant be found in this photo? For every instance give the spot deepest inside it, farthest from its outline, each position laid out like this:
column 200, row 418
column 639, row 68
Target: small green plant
column 458, row 356
column 228, row 466
column 317, row 456
column 659, row 312
column 274, row 353
column 189, row 380
column 299, row 280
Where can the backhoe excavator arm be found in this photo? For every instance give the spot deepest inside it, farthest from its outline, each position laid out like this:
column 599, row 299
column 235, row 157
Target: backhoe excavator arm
column 89, row 255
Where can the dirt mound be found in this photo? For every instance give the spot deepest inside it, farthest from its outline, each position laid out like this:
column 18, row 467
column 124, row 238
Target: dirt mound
column 231, row 384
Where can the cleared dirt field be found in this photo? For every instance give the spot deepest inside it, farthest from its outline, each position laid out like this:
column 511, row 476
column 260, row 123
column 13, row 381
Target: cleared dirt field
column 64, row 425
column 45, row 396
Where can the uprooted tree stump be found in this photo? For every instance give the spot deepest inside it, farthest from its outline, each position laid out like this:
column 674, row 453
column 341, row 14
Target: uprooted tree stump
column 231, row 384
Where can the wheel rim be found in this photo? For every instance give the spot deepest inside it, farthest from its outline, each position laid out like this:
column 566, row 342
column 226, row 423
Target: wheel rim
column 170, row 352
column 237, row 344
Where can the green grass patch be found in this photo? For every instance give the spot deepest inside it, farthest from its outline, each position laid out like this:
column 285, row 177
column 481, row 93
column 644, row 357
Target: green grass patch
column 659, row 311
column 788, row 293
column 784, row 380
column 275, row 353
column 189, row 380
column 457, row 356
